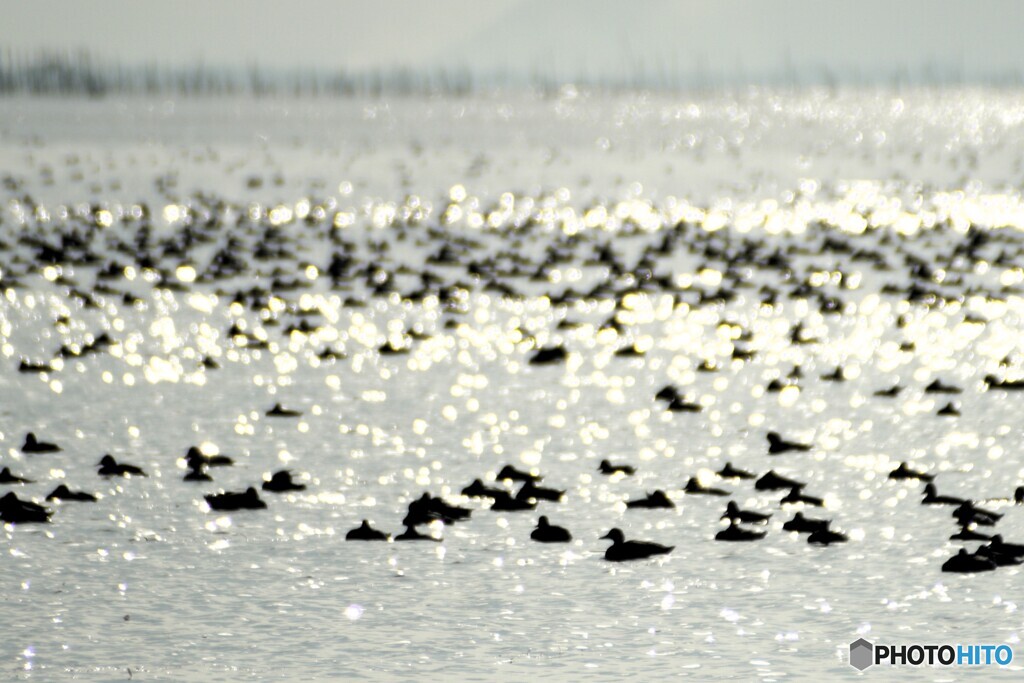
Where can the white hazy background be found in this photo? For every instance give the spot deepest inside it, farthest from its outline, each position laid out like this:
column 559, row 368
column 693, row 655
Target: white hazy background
column 727, row 41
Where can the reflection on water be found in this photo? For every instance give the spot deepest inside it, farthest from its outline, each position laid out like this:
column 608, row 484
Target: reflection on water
column 385, row 346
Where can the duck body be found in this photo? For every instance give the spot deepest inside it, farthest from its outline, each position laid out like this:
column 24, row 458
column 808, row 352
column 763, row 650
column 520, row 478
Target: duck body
column 231, row 501
column 549, row 533
column 622, row 550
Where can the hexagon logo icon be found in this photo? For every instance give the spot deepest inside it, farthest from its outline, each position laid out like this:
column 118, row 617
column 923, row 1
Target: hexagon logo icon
column 862, row 654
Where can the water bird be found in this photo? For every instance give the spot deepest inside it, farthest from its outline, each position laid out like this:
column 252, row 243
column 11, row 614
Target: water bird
column 62, row 492
column 549, row 356
column 197, row 473
column 891, row 392
column 281, row 481
column 998, row 556
column 905, row 471
column 964, row 563
column 693, row 486
column 667, row 393
column 531, row 490
column 278, row 411
column 111, row 468
column 14, row 510
column 412, row 534
column 805, row 525
column 730, row 472
column 796, row 495
column 622, row 550
column 607, row 468
column 231, row 501
column 654, row 500
column 29, row 366
column 428, row 508
column 504, row 502
column 967, row 513
column 951, row 409
column 364, row 532
column 6, row 477
column 771, row 481
column 510, row 472
column 478, row 490
column 938, row 387
column 931, row 497
column 733, row 512
column 33, row 445
column 968, row 533
column 734, row 532
column 546, row 532
column 993, row 382
column 777, row 445
column 678, row 405
column 194, row 457
column 826, row 536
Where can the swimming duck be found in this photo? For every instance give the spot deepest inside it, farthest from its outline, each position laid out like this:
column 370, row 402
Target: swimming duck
column 33, row 445
column 530, row 490
column 229, row 501
column 478, row 490
column 194, row 457
column 549, row 533
column 905, row 471
column 694, row 487
column 510, row 472
column 549, row 356
column 826, row 536
column 111, row 468
column 364, row 532
column 734, row 513
column 937, row 387
column 777, row 445
column 931, row 497
column 951, row 409
column 411, row 534
column 607, row 468
column 62, row 492
column 504, row 502
column 796, row 495
column 6, row 477
column 622, row 550
column 964, row 562
column 993, row 382
column 805, row 525
column 427, row 508
column 13, row 510
column 655, row 500
column 678, row 405
column 281, row 481
column 279, row 411
column 734, row 532
column 730, row 472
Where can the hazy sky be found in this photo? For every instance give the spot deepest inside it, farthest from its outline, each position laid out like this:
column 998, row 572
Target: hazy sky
column 725, row 39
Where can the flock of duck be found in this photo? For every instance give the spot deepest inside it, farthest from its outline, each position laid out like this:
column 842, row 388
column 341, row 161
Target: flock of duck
column 228, row 248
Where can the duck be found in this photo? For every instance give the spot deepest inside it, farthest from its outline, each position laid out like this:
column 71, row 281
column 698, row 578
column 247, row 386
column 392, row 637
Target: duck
column 951, row 409
column 111, row 468
column 654, row 500
column 967, row 533
column 999, row 556
column 905, row 471
column 938, row 387
column 6, row 477
column 622, row 550
column 62, row 492
column 993, row 382
column 777, row 445
column 796, row 495
column 771, row 481
column 412, row 534
column 678, row 405
column 975, row 513
column 734, row 532
column 364, row 532
column 194, row 456
column 478, row 490
column 965, row 563
column 280, row 412
column 931, row 497
column 694, row 487
column 506, row 503
column 826, row 536
column 546, row 532
column 229, row 501
column 805, row 525
column 197, row 473
column 531, row 490
column 730, row 472
column 281, row 481
column 891, row 392
column 667, row 393
column 33, row 445
column 549, row 356
column 428, row 508
column 510, row 472
column 14, row 510
column 607, row 468
column 733, row 512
